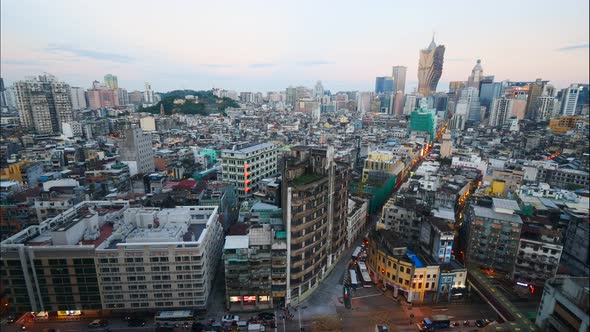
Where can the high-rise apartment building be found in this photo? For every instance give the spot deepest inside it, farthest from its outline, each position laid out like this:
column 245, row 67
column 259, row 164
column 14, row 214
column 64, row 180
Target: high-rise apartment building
column 493, row 234
column 489, row 91
column 135, row 97
column 569, row 100
column 430, row 68
column 535, row 91
column 111, row 81
column 43, row 103
column 291, row 96
column 315, row 210
column 136, row 151
column 123, row 96
column 399, row 78
column 246, row 164
column 501, row 111
column 410, row 103
column 148, row 94
column 102, row 97
column 78, row 98
column 3, row 102
column 544, row 108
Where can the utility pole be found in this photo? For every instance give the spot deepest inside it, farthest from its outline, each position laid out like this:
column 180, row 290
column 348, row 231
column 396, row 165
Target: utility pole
column 299, row 314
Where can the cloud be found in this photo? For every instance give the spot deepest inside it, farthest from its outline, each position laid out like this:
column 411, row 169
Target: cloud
column 315, row 63
column 573, row 47
column 213, row 65
column 90, row 54
column 456, row 59
column 261, row 65
column 18, row 62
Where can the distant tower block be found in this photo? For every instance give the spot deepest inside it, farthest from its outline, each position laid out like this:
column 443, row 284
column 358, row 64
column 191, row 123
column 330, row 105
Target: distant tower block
column 162, row 113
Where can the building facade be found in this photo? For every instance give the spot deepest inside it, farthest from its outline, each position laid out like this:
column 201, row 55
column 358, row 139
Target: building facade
column 244, row 166
column 493, row 235
column 43, row 104
column 564, row 306
column 136, row 151
column 315, row 211
column 430, row 68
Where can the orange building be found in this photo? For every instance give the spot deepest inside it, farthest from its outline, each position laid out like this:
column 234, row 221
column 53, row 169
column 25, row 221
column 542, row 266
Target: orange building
column 564, row 124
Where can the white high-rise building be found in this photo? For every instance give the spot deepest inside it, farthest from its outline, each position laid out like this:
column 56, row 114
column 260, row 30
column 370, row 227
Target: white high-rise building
column 545, row 106
column 364, row 102
column 148, row 94
column 136, row 151
column 501, row 110
column 410, row 104
column 244, row 166
column 569, row 100
column 469, row 97
column 43, row 104
column 78, row 98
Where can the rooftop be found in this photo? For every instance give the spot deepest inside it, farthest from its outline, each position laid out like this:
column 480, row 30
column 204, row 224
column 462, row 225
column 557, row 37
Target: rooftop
column 485, row 212
column 236, row 242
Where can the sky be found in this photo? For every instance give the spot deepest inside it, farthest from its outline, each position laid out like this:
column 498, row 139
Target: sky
column 268, row 45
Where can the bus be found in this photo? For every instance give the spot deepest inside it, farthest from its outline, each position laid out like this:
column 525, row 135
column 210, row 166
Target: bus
column 365, row 277
column 356, row 253
column 174, row 318
column 353, row 280
column 437, row 322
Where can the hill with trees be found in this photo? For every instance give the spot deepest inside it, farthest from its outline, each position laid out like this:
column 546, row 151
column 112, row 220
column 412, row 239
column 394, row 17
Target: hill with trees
column 207, row 103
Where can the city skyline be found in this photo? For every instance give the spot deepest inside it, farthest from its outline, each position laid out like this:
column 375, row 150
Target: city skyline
column 273, row 50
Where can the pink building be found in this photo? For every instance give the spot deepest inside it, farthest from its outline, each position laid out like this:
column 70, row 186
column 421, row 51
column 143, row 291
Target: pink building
column 518, row 108
column 102, row 98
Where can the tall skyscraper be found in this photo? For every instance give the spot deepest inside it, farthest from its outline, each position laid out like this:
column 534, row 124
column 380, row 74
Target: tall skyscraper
column 569, row 99
column 78, row 98
column 318, row 90
column 3, row 103
column 430, row 68
column 111, row 81
column 489, row 91
column 476, row 76
column 148, row 94
column 123, row 96
column 399, row 78
column 469, row 99
column 383, row 84
column 43, row 104
column 583, row 103
column 291, row 96
column 535, row 91
column 500, row 112
column 410, row 104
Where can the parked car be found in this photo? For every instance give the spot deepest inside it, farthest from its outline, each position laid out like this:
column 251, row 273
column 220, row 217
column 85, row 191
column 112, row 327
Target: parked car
column 479, row 323
column 230, row 318
column 10, row 319
column 266, row 315
column 136, row 322
column 98, row 323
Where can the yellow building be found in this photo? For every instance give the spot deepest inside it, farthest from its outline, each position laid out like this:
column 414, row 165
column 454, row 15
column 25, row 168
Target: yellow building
column 384, row 161
column 13, row 172
column 398, row 268
column 564, row 124
column 497, row 188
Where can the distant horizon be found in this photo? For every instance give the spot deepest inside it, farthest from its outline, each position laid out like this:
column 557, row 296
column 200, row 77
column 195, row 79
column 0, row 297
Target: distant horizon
column 259, row 46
